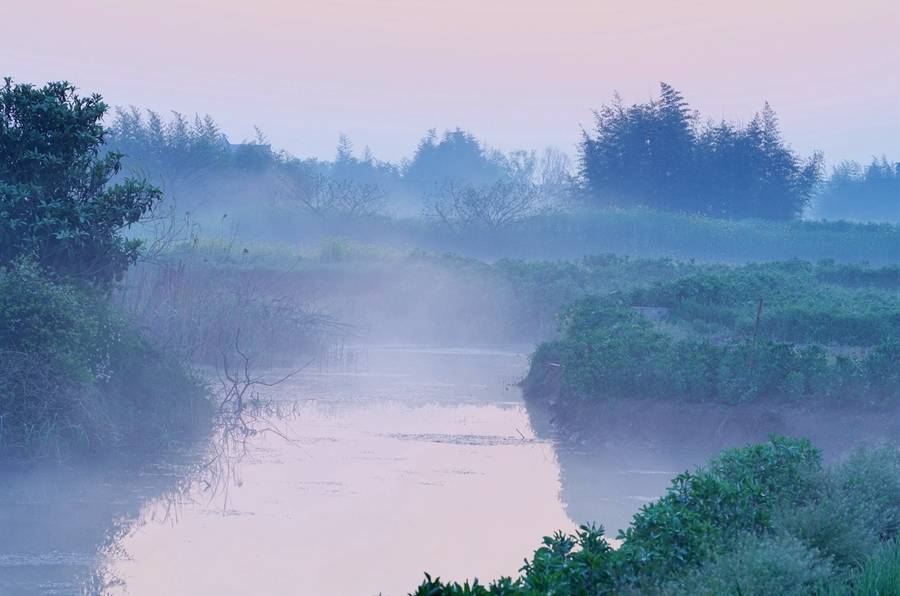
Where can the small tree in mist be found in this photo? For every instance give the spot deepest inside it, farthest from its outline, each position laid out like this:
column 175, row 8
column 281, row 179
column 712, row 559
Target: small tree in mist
column 176, row 153
column 870, row 193
column 322, row 195
column 57, row 205
column 491, row 206
column 456, row 157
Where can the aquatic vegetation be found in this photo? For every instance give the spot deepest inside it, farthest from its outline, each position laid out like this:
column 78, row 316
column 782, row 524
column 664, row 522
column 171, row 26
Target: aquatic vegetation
column 774, row 331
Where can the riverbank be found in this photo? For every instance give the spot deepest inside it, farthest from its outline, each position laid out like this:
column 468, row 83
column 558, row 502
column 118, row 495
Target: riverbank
column 766, row 518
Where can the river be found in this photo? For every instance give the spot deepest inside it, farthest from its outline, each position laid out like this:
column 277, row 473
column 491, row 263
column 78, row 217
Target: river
column 397, row 461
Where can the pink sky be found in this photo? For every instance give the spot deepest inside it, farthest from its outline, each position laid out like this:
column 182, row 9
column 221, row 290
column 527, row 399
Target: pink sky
column 518, row 73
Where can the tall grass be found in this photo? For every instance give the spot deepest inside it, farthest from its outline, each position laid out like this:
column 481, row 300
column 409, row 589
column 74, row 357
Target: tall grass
column 206, row 301
column 75, row 377
column 635, row 232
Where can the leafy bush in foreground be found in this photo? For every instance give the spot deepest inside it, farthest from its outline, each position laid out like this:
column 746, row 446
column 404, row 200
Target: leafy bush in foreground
column 779, row 565
column 721, row 530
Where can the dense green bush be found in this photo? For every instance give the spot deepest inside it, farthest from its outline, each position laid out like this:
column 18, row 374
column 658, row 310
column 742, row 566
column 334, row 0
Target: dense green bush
column 789, row 331
column 739, row 526
column 801, row 302
column 756, row 566
column 75, row 376
column 880, row 576
column 57, row 205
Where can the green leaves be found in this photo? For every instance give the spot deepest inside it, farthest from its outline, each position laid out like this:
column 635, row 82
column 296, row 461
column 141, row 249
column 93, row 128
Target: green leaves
column 58, row 205
column 690, row 527
column 697, row 338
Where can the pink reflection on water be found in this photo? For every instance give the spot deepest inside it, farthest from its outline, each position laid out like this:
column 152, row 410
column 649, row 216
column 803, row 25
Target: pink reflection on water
column 423, row 462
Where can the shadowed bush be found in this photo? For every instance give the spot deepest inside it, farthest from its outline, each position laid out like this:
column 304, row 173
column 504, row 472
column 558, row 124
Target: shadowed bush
column 75, row 376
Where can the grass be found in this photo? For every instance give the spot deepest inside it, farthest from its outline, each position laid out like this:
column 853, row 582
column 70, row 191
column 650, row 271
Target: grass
column 641, row 233
column 789, row 332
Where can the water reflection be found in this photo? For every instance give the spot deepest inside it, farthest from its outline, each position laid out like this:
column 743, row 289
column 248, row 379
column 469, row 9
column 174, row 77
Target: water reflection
column 396, row 461
column 61, row 524
column 423, row 461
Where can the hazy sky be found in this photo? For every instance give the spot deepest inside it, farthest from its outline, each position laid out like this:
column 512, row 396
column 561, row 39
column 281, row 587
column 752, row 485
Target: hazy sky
column 518, row 73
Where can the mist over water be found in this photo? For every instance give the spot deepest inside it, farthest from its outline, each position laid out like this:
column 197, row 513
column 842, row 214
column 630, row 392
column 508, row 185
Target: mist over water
column 659, row 357
column 399, row 459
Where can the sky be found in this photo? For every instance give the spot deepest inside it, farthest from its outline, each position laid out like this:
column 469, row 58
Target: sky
column 517, row 73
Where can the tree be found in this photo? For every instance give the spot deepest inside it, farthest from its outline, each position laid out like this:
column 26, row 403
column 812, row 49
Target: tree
column 492, row 206
column 57, row 206
column 857, row 193
column 656, row 155
column 177, row 154
column 456, row 157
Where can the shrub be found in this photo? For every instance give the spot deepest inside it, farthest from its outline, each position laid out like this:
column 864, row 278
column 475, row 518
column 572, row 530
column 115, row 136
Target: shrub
column 684, row 532
column 75, row 375
column 880, row 576
column 872, row 477
column 709, row 337
column 577, row 565
column 830, row 525
column 737, row 492
column 755, row 566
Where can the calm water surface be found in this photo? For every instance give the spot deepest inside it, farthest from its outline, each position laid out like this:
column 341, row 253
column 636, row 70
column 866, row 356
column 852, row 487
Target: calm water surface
column 400, row 461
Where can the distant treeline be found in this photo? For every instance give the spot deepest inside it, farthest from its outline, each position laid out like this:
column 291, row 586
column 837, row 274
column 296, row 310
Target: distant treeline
column 192, row 158
column 854, row 192
column 658, row 154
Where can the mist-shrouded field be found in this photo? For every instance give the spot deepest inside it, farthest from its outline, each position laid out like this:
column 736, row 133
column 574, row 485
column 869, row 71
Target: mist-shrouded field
column 663, row 360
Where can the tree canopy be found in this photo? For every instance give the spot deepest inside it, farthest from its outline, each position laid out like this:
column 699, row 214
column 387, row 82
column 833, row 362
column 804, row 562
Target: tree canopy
column 57, row 206
column 658, row 155
column 455, row 157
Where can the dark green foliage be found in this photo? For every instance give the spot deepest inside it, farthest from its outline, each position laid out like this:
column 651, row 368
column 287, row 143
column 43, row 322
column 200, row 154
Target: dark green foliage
column 435, row 587
column 736, row 493
column 657, row 155
column 75, row 377
column 746, row 524
column 848, row 305
column 880, row 576
column 704, row 336
column 56, row 203
column 577, row 565
column 756, row 566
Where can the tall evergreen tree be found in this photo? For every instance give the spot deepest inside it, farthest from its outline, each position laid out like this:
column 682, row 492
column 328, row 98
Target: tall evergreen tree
column 656, row 155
